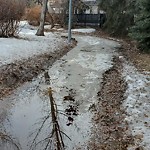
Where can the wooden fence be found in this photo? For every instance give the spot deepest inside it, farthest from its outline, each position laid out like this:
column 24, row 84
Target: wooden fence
column 90, row 19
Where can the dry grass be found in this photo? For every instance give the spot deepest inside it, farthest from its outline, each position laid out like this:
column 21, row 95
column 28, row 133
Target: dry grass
column 33, row 15
column 140, row 59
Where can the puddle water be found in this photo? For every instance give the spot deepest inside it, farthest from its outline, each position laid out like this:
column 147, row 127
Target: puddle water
column 28, row 110
column 31, row 109
column 75, row 81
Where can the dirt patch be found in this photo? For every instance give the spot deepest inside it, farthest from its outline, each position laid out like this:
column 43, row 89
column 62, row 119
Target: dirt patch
column 110, row 129
column 71, row 111
column 15, row 74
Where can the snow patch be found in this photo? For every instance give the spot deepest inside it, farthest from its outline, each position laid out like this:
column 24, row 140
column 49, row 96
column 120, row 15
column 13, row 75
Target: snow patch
column 27, row 45
column 84, row 30
column 137, row 105
column 94, row 62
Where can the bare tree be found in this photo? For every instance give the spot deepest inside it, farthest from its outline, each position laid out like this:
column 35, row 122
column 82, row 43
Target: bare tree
column 50, row 13
column 40, row 31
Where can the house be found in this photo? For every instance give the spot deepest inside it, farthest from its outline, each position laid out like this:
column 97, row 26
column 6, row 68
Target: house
column 93, row 7
column 86, row 12
column 56, row 6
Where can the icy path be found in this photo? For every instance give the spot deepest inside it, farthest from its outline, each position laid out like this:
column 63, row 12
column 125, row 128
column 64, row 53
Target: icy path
column 78, row 74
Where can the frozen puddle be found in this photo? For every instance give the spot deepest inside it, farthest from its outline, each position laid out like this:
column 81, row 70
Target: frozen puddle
column 75, row 80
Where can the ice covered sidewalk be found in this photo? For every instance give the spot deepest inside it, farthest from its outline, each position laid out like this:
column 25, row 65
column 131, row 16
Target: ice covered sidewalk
column 28, row 44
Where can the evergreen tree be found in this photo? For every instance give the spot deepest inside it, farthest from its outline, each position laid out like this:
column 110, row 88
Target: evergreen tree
column 119, row 15
column 141, row 30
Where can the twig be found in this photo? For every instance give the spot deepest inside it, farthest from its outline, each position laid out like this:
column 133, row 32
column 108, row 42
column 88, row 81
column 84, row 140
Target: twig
column 8, row 139
column 66, row 135
column 39, row 130
column 56, row 127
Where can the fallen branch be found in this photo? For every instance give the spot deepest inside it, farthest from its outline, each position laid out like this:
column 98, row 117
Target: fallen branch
column 59, row 140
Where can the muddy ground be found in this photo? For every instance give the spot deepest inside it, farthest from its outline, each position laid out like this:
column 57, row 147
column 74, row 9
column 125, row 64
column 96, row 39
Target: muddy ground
column 19, row 72
column 140, row 59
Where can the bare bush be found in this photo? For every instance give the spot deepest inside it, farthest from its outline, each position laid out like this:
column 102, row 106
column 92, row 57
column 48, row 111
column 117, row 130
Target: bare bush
column 11, row 12
column 33, row 16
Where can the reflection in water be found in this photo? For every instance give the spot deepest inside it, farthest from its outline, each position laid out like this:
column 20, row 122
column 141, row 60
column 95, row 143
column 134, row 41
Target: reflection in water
column 54, row 140
column 7, row 142
column 35, row 122
column 30, row 106
column 31, row 121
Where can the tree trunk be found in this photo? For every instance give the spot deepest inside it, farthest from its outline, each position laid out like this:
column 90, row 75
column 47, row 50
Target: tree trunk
column 51, row 13
column 51, row 19
column 40, row 31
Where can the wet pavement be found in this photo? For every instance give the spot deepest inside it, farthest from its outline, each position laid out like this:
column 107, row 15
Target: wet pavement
column 75, row 80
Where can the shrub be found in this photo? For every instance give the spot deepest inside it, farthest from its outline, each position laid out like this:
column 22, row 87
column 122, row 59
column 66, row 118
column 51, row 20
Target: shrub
column 11, row 12
column 33, row 15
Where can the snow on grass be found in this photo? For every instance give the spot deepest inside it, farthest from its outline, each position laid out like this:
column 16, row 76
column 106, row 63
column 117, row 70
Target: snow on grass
column 82, row 30
column 28, row 44
column 137, row 105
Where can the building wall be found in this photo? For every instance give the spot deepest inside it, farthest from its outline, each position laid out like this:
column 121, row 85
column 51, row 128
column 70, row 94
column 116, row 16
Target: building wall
column 92, row 10
column 93, row 7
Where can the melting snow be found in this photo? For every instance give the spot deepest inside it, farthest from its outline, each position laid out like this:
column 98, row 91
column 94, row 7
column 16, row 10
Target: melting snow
column 28, row 44
column 137, row 105
column 84, row 30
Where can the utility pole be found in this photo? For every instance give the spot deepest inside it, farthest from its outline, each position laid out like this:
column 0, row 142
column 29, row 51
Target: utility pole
column 69, row 22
